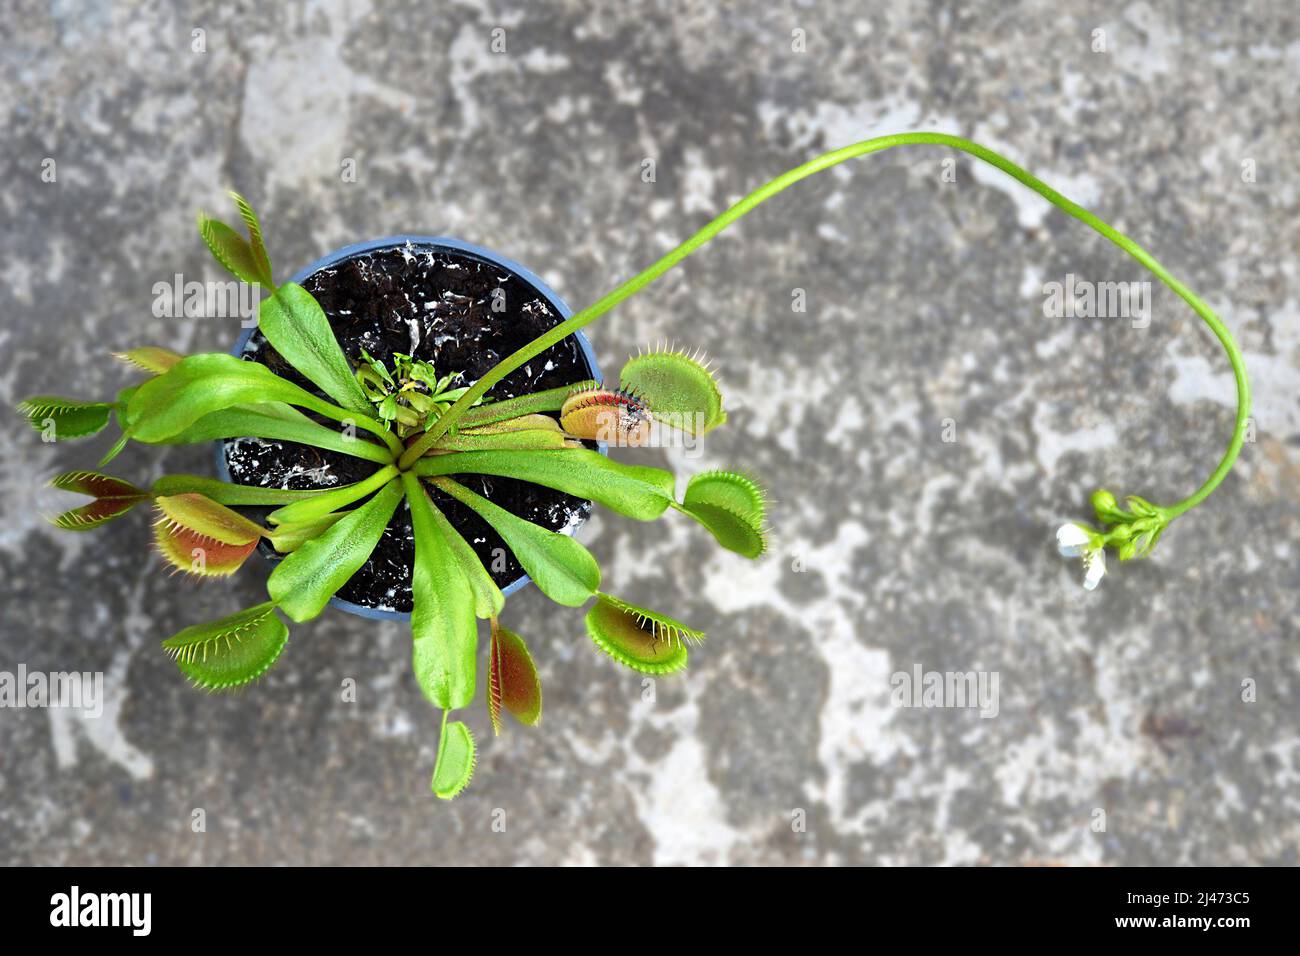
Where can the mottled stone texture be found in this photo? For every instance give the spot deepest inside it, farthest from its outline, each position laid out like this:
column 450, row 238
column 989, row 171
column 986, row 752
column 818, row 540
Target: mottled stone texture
column 892, row 547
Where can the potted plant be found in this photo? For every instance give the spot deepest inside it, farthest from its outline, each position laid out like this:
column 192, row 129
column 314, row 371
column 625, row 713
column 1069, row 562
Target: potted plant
column 421, row 314
column 390, row 436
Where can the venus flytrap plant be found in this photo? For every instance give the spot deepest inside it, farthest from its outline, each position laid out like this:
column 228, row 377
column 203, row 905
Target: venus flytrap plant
column 326, row 535
column 424, row 431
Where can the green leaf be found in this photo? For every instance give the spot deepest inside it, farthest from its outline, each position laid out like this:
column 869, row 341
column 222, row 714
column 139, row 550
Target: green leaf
column 70, row 417
column 422, row 372
column 529, row 439
column 456, row 758
column 732, row 507
column 443, row 624
column 230, row 652
column 379, row 368
column 230, row 249
column 513, row 681
column 198, row 385
column 488, row 599
column 563, row 569
column 294, row 323
column 550, row 400
column 517, row 424
column 260, row 259
column 317, row 507
column 149, row 358
column 303, row 583
column 229, row 493
column 680, row 390
column 639, row 638
column 279, row 422
column 291, row 537
column 633, row 490
column 113, row 498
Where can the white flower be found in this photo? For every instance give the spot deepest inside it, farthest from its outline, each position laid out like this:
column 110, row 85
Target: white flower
column 1076, row 541
column 1094, row 566
column 1072, row 540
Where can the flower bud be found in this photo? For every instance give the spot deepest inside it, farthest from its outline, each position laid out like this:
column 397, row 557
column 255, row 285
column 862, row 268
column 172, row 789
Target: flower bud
column 1120, row 534
column 1103, row 502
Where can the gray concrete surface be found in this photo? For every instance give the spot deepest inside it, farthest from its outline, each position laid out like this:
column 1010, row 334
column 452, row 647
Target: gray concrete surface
column 924, row 304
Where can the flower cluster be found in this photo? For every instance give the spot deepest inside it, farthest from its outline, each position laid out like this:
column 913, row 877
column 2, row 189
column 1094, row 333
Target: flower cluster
column 1132, row 534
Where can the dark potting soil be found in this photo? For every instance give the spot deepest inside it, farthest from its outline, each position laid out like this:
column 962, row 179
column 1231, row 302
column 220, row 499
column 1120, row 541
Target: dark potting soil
column 435, row 304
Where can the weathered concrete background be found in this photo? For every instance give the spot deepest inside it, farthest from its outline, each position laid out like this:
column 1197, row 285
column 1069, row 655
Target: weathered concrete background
column 924, row 304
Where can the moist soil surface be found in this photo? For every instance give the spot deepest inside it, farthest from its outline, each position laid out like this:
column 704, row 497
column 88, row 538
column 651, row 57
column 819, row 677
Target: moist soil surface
column 435, row 304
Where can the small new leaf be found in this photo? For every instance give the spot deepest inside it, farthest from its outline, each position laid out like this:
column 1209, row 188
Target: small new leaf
column 230, row 652
column 260, row 259
column 230, row 249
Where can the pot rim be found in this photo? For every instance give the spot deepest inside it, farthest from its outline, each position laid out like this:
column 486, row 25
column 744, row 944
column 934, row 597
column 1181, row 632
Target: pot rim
column 458, row 245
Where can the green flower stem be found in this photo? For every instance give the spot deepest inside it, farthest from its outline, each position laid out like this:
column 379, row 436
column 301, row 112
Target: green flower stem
column 640, row 281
